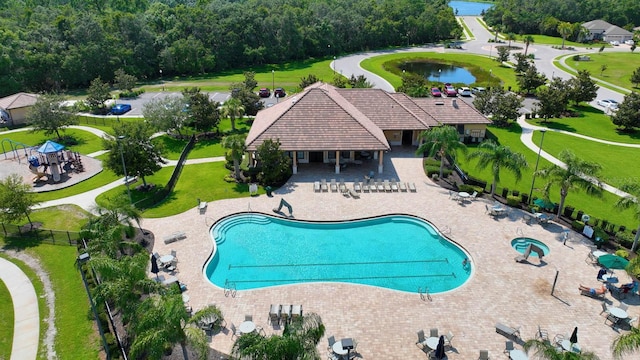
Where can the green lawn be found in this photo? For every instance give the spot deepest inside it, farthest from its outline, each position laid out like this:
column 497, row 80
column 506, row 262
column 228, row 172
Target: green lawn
column 552, row 40
column 480, row 66
column 65, row 217
column 593, row 123
column 6, row 318
column 620, row 66
column 86, row 142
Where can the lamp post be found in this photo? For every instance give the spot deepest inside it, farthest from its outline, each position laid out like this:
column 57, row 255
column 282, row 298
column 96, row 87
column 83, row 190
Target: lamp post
column 334, row 66
column 124, row 168
column 439, row 73
column 273, row 80
column 543, row 131
column 161, row 80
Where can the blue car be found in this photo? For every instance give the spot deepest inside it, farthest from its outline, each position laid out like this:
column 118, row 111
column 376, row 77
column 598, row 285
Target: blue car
column 120, row 109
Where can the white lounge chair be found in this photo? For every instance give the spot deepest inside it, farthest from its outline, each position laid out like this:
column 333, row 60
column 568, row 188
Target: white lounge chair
column 356, row 186
column 365, row 186
column 402, row 186
column 412, row 187
column 394, row 185
column 333, row 186
column 316, row 186
column 380, row 186
column 387, row 186
column 342, row 186
column 323, row 185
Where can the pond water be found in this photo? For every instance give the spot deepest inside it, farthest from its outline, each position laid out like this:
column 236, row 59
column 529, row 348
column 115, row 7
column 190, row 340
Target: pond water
column 442, row 73
column 468, row 8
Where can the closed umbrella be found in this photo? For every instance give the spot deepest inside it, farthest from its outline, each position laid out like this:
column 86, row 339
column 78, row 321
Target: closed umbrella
column 545, row 204
column 611, row 261
column 574, row 336
column 154, row 265
column 440, row 348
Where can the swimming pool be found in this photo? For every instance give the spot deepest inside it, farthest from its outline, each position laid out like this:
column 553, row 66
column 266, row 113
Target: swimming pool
column 397, row 252
column 521, row 243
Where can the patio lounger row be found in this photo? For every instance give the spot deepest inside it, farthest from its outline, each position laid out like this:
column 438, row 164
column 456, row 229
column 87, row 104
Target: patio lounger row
column 284, row 313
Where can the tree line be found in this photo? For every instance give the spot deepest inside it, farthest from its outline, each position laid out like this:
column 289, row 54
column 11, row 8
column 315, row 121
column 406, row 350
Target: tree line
column 544, row 16
column 64, row 44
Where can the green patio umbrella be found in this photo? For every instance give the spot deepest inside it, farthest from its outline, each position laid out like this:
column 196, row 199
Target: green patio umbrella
column 611, row 261
column 545, row 204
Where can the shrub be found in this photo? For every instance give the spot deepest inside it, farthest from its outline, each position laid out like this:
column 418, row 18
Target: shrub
column 513, row 201
column 515, row 192
column 568, row 212
column 622, row 253
column 624, row 239
column 470, row 188
column 431, row 162
column 524, row 198
column 577, row 225
column 430, row 170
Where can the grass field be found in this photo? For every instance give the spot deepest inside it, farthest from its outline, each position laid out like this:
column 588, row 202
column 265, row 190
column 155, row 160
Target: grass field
column 86, row 142
column 552, row 40
column 487, row 71
column 620, row 66
column 6, row 318
column 593, row 123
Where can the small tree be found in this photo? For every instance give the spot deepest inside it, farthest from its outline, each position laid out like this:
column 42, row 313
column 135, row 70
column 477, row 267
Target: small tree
column 546, row 351
column 503, row 54
column 510, row 37
column 414, row 85
column 528, row 40
column 16, row 198
column 308, row 80
column 203, row 112
column 582, row 87
column 48, row 115
column 531, row 80
column 489, row 153
column 628, row 114
column 232, row 108
column 522, row 63
column 166, row 114
column 235, row 143
column 339, row 81
column 603, row 68
column 359, row 82
column 441, row 141
column 244, row 92
column 550, row 103
column 124, row 81
column 274, row 163
column 564, row 29
column 97, row 94
column 501, row 106
column 635, row 77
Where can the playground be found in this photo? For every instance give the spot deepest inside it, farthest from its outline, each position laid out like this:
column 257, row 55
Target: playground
column 47, row 167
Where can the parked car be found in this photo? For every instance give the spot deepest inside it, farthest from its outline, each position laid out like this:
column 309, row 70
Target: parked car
column 264, row 92
column 464, row 91
column 608, row 103
column 614, row 43
column 629, row 42
column 478, row 90
column 279, row 92
column 120, row 109
column 435, row 92
column 449, row 90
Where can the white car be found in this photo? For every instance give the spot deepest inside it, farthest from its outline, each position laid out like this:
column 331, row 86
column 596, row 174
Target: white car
column 608, row 103
column 464, row 91
column 614, row 43
column 629, row 42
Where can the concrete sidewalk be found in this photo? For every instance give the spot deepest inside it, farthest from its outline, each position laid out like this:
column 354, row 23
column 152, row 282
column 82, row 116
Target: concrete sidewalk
column 26, row 331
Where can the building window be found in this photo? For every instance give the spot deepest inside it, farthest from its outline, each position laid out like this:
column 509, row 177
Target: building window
column 300, row 155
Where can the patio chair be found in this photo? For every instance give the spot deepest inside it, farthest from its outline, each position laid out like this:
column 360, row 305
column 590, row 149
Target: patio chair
column 508, row 346
column 473, row 196
column 248, row 318
column 447, row 340
column 402, row 186
column 234, row 331
column 623, row 306
column 356, row 186
column 333, row 185
column 274, row 314
column 433, row 332
column 331, row 340
column 484, row 355
column 542, row 335
column 605, row 309
column 422, row 341
column 342, row 186
column 394, row 185
column 412, row 187
column 323, row 185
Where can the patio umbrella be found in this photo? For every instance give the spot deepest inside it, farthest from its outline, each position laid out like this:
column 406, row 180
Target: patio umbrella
column 154, row 265
column 574, row 336
column 611, row 261
column 545, row 204
column 50, row 147
column 440, row 348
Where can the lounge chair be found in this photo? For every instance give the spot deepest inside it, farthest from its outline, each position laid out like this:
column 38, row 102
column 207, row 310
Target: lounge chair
column 296, row 312
column 365, row 186
column 285, row 313
column 484, row 355
column 316, row 186
column 323, row 185
column 473, row 196
column 402, row 186
column 333, row 186
column 248, row 318
column 342, row 186
column 412, row 187
column 274, row 314
column 380, row 186
column 394, row 185
column 353, row 194
column 387, row 186
column 356, row 186
column 422, row 341
column 508, row 331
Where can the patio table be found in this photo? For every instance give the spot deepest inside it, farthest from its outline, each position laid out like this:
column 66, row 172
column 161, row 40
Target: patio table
column 432, row 342
column 568, row 346
column 337, row 348
column 518, row 355
column 247, row 327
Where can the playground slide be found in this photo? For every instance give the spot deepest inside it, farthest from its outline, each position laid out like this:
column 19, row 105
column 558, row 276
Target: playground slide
column 38, row 174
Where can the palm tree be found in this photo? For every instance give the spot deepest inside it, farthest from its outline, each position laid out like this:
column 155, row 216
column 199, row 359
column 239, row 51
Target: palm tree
column 548, row 351
column 603, row 67
column 162, row 321
column 565, row 29
column 628, row 343
column 299, row 340
column 576, row 173
column 237, row 146
column 631, row 201
column 232, row 108
column 441, row 141
column 510, row 37
column 499, row 157
column 528, row 40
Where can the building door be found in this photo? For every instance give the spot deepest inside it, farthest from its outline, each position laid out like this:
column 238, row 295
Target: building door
column 316, row 156
column 407, row 137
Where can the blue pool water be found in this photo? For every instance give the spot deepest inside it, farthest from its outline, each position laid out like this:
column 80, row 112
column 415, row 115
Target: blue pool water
column 521, row 243
column 469, row 8
column 394, row 251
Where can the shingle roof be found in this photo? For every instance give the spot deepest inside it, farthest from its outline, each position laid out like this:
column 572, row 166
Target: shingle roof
column 608, row 29
column 323, row 117
column 18, row 100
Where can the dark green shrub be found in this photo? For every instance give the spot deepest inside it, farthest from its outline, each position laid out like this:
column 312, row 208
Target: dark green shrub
column 568, row 212
column 524, row 198
column 505, row 192
column 513, row 201
column 430, row 170
column 515, row 193
column 577, row 225
column 431, row 162
column 470, row 189
column 624, row 239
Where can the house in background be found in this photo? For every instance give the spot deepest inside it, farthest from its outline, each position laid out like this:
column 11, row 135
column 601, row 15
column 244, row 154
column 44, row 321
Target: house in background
column 603, row 31
column 325, row 124
column 14, row 108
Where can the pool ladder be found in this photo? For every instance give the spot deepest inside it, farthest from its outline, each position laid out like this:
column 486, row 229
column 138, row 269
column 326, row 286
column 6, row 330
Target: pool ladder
column 424, row 296
column 230, row 289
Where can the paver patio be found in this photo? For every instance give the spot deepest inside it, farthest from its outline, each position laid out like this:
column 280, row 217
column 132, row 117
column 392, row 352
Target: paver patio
column 385, row 322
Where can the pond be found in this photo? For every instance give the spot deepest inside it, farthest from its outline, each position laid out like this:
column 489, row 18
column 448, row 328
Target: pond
column 468, row 8
column 441, row 73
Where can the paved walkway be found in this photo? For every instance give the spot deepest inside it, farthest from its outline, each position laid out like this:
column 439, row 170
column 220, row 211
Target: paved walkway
column 26, row 330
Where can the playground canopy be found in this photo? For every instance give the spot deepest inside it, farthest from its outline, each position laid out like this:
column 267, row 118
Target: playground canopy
column 50, row 147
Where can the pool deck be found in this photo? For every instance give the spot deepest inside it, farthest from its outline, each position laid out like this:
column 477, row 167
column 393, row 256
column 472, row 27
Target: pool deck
column 384, row 322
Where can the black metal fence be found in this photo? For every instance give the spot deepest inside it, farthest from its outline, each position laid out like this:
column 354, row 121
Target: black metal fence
column 54, row 237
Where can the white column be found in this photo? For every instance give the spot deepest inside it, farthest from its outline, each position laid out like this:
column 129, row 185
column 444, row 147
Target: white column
column 337, row 162
column 380, row 161
column 295, row 162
